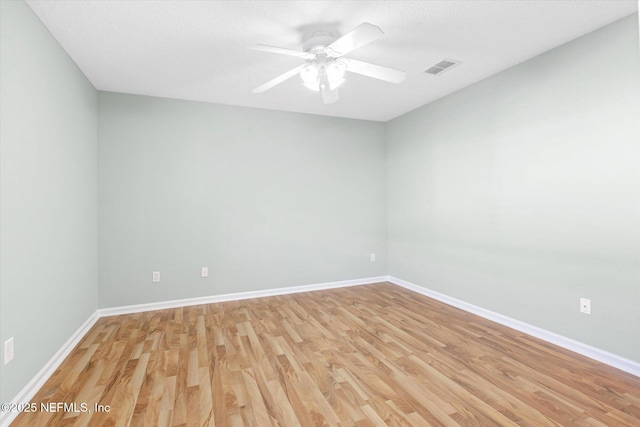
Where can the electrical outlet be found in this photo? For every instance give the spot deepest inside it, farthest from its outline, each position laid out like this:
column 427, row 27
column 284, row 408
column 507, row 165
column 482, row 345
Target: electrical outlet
column 585, row 306
column 155, row 277
column 204, row 272
column 8, row 350
column 372, row 258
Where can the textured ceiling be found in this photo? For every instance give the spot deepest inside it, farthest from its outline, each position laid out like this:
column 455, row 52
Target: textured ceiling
column 195, row 50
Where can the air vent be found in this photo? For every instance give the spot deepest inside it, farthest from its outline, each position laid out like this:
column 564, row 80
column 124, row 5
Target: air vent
column 442, row 66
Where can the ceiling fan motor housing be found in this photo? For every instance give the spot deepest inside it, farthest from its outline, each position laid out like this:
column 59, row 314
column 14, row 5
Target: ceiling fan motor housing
column 318, row 42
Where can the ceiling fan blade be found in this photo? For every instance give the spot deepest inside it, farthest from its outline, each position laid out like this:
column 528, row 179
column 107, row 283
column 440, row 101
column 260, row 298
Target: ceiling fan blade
column 281, row 78
column 329, row 95
column 361, row 35
column 281, row 50
column 376, row 71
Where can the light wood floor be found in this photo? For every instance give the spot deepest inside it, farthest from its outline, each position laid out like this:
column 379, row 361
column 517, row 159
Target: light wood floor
column 370, row 355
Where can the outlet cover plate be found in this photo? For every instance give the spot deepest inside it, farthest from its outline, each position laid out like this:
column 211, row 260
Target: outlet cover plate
column 8, row 350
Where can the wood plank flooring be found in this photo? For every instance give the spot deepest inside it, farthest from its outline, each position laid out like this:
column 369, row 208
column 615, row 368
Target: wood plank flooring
column 373, row 355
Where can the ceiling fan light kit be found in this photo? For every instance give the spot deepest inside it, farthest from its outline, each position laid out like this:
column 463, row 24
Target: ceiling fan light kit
column 314, row 72
column 326, row 66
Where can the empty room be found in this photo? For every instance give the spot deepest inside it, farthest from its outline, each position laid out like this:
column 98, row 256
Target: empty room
column 319, row 213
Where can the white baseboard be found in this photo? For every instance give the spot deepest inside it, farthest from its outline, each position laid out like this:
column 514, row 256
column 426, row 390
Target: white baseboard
column 26, row 394
column 138, row 308
column 603, row 356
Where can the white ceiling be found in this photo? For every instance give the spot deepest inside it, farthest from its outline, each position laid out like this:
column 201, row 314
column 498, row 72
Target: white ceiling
column 195, row 50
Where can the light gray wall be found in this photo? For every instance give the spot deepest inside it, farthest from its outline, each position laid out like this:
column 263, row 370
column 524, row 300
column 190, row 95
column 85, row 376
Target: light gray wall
column 48, row 195
column 263, row 199
column 521, row 194
column 518, row 194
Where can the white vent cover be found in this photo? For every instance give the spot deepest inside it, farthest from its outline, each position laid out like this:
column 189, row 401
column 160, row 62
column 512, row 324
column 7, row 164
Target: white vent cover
column 442, row 66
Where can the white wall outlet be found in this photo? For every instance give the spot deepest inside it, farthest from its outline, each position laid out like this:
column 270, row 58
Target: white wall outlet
column 585, row 306
column 204, row 272
column 155, row 277
column 372, row 258
column 8, row 350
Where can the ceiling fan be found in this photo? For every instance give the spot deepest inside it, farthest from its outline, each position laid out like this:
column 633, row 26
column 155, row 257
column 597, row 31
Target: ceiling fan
column 325, row 65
